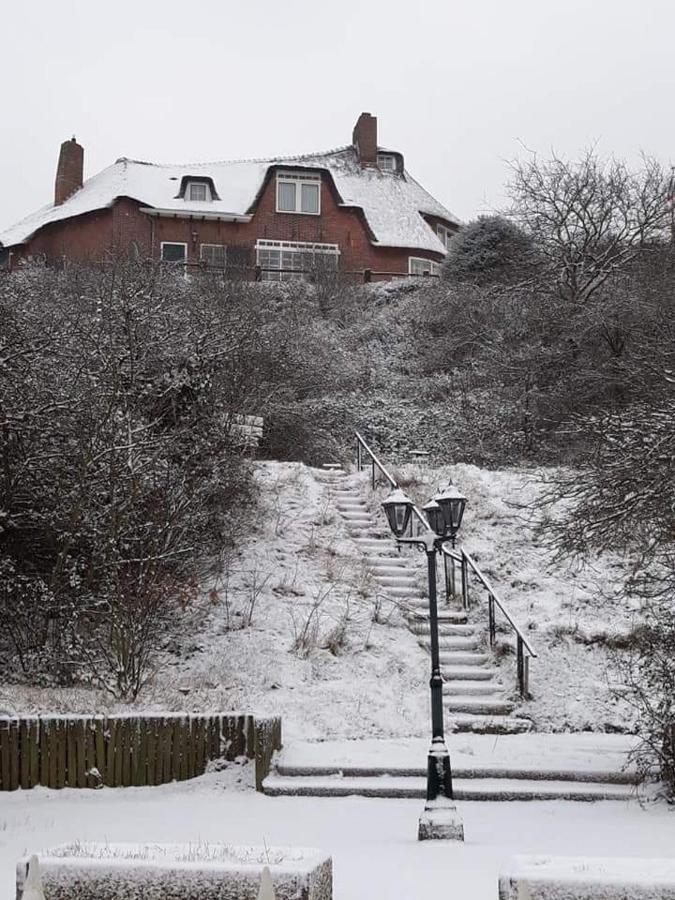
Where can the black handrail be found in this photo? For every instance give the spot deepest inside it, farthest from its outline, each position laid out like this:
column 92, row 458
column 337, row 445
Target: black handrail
column 361, row 445
column 524, row 650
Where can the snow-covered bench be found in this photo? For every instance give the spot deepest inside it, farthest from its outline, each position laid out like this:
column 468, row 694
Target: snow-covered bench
column 199, row 871
column 580, row 878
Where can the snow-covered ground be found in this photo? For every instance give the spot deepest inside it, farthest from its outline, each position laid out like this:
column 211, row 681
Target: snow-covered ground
column 295, row 626
column 373, row 842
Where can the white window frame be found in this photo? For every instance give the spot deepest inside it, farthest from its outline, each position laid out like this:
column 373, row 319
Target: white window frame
column 214, row 268
column 173, row 244
column 381, row 157
column 444, row 234
column 194, row 183
column 420, row 262
column 298, row 179
column 272, row 273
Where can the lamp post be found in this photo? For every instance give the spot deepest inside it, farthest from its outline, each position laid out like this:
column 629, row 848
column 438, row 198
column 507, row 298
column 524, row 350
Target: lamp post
column 444, row 512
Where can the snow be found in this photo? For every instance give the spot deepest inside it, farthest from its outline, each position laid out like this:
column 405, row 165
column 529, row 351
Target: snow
column 373, row 842
column 310, row 590
column 392, row 205
column 198, row 870
column 583, row 878
column 600, row 756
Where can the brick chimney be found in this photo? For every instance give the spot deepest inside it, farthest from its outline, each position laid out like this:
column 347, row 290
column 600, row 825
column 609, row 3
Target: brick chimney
column 364, row 139
column 69, row 171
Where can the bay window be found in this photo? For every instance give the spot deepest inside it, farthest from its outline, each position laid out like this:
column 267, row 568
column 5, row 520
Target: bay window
column 295, row 260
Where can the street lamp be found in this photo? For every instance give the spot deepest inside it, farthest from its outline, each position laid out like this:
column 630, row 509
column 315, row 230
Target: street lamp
column 444, row 512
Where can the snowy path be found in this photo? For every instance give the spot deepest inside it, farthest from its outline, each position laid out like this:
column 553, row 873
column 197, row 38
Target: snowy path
column 373, row 842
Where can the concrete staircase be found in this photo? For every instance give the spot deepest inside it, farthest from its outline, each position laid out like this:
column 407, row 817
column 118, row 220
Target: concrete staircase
column 474, row 697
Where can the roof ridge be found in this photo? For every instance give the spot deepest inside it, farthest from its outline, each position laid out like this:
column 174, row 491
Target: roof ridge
column 219, row 162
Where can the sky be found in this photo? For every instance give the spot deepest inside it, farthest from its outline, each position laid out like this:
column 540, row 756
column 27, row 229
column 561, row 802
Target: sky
column 460, row 88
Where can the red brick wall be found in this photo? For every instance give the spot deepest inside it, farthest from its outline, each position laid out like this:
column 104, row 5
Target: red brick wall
column 94, row 235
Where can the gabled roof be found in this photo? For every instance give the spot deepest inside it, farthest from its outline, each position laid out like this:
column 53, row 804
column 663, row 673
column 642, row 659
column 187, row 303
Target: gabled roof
column 392, row 205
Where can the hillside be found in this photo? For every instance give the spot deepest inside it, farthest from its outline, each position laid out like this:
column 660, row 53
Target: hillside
column 295, row 626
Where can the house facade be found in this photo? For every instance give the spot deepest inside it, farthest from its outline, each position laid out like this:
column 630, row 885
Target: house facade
column 355, row 210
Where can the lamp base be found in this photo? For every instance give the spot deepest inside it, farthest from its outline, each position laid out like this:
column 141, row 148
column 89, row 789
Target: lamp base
column 440, row 821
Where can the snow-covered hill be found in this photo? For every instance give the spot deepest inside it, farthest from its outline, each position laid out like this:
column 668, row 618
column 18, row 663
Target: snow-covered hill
column 294, row 624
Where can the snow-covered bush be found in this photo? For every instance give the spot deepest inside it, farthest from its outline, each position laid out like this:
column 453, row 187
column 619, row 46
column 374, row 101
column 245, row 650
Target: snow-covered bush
column 490, row 250
column 120, row 480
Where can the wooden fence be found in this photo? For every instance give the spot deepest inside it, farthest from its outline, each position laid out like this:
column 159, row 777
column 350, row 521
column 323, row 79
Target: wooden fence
column 126, row 750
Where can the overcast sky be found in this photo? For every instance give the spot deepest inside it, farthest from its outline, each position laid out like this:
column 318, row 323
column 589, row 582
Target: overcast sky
column 458, row 87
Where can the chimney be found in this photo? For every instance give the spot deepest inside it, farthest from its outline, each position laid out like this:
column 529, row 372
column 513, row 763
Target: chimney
column 69, row 171
column 364, row 139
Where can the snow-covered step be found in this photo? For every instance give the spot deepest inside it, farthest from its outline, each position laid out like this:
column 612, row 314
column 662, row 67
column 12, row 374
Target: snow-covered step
column 479, row 705
column 386, row 562
column 415, row 614
column 478, row 724
column 468, row 673
column 386, row 570
column 402, row 786
column 465, row 687
column 455, row 642
column 446, row 628
column 464, row 658
column 406, row 581
column 402, row 591
column 381, row 545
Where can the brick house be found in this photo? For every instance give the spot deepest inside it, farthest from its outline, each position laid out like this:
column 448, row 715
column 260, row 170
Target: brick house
column 355, row 209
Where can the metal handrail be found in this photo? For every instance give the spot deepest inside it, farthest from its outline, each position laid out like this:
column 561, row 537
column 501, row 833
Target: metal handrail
column 524, row 650
column 361, row 445
column 488, row 587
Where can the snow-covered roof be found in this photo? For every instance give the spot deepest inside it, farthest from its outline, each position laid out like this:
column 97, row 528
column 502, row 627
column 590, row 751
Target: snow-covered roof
column 391, row 204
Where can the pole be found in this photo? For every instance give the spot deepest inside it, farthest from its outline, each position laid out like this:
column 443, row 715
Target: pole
column 439, row 775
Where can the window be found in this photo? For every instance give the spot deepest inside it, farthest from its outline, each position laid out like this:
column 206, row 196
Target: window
column 419, row 266
column 213, row 255
column 386, row 162
column 198, row 190
column 298, row 193
column 444, row 235
column 293, row 260
column 173, row 253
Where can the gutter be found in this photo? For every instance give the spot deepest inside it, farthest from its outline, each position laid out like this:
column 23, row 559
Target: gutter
column 203, row 216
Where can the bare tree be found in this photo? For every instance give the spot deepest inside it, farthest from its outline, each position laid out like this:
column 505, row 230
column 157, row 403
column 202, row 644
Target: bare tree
column 588, row 218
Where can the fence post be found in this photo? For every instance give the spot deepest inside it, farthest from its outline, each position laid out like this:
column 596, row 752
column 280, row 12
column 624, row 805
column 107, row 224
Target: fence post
column 358, row 455
column 520, row 667
column 373, row 466
column 491, row 619
column 447, row 578
column 367, row 276
column 465, row 582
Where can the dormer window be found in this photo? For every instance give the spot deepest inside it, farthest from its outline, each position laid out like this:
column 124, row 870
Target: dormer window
column 299, row 193
column 198, row 191
column 386, row 162
column 444, row 235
